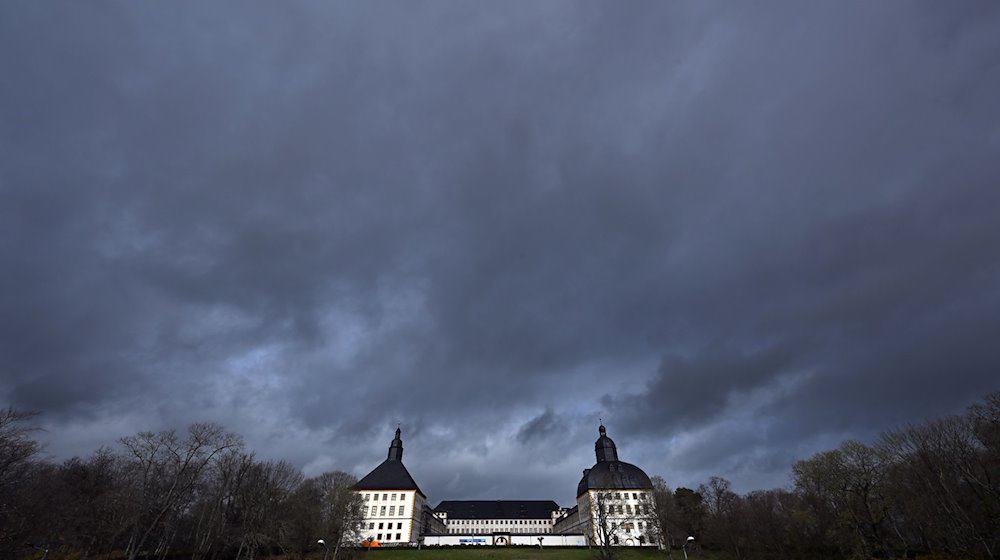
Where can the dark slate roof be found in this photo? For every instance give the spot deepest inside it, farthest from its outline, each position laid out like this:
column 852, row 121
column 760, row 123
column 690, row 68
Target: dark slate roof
column 613, row 475
column 497, row 509
column 390, row 475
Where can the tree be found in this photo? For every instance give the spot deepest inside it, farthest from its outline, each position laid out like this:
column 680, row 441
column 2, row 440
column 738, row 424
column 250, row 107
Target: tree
column 342, row 509
column 661, row 522
column 165, row 469
column 604, row 528
column 17, row 469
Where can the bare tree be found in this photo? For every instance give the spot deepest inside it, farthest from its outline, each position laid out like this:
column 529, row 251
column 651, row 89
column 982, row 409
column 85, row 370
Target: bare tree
column 342, row 509
column 17, row 454
column 604, row 524
column 659, row 521
column 167, row 469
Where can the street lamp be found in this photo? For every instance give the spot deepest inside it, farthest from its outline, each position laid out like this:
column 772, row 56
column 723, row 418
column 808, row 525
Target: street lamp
column 685, row 547
column 326, row 549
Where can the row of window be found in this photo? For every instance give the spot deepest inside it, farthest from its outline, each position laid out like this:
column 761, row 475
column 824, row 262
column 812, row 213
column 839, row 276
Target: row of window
column 393, row 512
column 385, row 497
column 628, row 527
column 627, row 509
column 388, row 537
column 499, row 521
column 623, row 495
column 371, row 526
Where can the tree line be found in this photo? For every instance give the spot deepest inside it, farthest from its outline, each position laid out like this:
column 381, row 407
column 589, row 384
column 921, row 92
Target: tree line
column 927, row 488
column 198, row 495
column 931, row 487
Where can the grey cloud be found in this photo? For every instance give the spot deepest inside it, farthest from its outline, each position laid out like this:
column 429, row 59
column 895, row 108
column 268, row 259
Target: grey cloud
column 546, row 426
column 309, row 222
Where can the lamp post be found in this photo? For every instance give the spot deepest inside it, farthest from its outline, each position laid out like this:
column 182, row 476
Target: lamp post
column 685, row 547
column 326, row 549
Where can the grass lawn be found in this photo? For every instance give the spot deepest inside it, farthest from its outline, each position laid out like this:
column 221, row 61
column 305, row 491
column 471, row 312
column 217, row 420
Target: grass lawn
column 514, row 553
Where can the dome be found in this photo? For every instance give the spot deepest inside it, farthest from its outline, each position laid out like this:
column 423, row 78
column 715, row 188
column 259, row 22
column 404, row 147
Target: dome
column 613, row 475
column 609, row 472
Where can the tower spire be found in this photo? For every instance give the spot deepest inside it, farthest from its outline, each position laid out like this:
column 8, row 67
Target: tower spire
column 604, row 447
column 396, row 447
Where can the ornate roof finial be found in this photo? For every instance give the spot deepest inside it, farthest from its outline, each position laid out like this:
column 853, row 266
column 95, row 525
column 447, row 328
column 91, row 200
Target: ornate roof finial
column 601, row 429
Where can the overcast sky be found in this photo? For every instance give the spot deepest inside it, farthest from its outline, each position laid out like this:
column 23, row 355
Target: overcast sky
column 738, row 232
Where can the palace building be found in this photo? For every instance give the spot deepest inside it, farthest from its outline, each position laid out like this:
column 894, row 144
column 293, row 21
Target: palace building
column 614, row 501
column 614, row 505
column 395, row 510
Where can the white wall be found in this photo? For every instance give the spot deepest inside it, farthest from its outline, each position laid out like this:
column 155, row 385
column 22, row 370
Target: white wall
column 490, row 526
column 484, row 540
column 386, row 519
column 631, row 524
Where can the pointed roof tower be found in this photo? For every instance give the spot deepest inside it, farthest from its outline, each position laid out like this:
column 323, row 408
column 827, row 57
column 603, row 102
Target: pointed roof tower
column 390, row 474
column 396, row 447
column 604, row 447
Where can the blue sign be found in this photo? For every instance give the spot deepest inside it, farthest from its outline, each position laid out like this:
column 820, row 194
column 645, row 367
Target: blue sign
column 472, row 541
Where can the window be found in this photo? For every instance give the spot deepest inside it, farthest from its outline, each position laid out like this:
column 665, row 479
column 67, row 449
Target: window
column 385, row 497
column 392, row 510
column 401, row 508
column 373, row 509
column 399, row 525
column 381, row 510
column 376, row 497
column 371, row 526
column 397, row 537
column 378, row 537
column 380, row 525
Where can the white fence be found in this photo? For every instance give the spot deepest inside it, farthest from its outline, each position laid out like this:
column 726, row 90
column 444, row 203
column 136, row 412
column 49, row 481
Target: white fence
column 504, row 539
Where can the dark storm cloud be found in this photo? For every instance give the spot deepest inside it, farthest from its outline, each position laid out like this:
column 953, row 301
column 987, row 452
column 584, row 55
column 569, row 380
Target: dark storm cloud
column 547, row 426
column 737, row 233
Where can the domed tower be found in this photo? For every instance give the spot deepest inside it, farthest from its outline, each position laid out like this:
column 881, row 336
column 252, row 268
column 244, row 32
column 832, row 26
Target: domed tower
column 614, row 498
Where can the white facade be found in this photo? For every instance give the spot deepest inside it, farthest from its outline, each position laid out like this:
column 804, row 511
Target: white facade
column 392, row 516
column 490, row 526
column 625, row 513
column 394, row 510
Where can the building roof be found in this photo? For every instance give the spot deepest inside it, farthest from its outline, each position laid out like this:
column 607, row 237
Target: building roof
column 497, row 509
column 609, row 473
column 390, row 474
column 613, row 475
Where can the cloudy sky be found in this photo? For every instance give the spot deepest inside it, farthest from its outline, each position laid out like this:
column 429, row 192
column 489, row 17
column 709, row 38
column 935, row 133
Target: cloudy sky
column 739, row 234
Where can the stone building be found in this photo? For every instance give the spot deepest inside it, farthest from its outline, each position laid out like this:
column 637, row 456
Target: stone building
column 614, row 501
column 501, row 517
column 395, row 510
column 614, row 505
